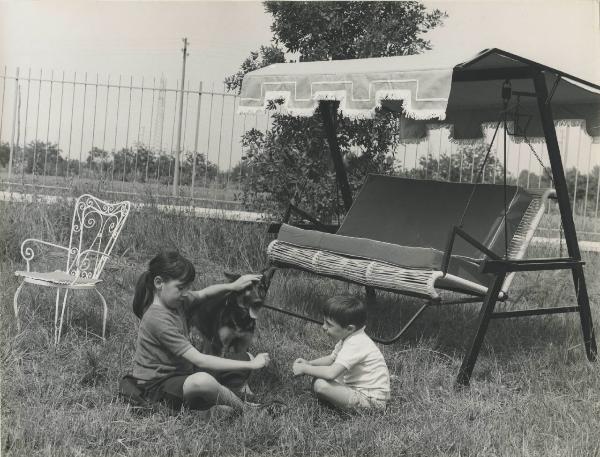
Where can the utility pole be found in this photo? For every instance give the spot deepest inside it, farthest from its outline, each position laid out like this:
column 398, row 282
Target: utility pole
column 178, row 148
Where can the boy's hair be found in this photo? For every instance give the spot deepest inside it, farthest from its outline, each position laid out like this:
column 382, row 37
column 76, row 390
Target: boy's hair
column 346, row 310
column 168, row 265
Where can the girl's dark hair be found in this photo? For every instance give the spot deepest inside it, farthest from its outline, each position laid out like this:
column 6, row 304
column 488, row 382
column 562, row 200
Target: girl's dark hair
column 346, row 310
column 168, row 265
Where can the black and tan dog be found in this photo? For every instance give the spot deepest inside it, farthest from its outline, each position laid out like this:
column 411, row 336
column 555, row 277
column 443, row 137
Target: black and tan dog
column 228, row 324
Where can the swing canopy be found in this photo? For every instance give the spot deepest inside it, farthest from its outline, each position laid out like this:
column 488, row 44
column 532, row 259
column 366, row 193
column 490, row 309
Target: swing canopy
column 430, row 89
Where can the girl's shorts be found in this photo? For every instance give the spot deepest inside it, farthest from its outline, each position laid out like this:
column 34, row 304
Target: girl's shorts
column 169, row 388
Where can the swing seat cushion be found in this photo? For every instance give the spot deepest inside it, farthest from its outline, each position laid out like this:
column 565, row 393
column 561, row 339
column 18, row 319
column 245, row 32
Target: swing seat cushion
column 407, row 223
column 362, row 248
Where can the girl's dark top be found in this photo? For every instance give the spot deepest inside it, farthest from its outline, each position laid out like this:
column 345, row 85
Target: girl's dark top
column 162, row 339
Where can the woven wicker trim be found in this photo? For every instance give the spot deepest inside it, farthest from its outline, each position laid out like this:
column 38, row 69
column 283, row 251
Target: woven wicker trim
column 360, row 271
column 525, row 231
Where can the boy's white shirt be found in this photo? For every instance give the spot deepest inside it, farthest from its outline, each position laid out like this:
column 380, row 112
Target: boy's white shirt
column 365, row 366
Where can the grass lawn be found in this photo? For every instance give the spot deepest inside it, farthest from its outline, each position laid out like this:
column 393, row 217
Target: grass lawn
column 533, row 392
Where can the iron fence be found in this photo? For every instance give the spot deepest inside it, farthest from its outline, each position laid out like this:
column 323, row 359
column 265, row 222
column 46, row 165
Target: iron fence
column 118, row 134
column 121, row 133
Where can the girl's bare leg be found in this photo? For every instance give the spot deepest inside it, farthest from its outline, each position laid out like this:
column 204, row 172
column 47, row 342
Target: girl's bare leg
column 205, row 386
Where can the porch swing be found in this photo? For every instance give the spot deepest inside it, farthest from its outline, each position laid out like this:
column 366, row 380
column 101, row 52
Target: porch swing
column 421, row 237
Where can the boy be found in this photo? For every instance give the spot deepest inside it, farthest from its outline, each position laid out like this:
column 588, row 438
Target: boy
column 354, row 375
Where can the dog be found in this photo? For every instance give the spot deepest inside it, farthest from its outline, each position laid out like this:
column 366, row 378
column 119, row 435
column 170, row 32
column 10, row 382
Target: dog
column 228, row 324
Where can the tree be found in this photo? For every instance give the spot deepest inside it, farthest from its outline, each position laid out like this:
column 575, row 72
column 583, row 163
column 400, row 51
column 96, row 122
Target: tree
column 123, row 162
column 144, row 163
column 4, row 154
column 266, row 56
column 292, row 161
column 204, row 170
column 352, row 30
column 42, row 158
column 97, row 159
column 464, row 165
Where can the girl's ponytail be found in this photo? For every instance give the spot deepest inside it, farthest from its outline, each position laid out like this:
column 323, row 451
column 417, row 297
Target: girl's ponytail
column 168, row 265
column 144, row 294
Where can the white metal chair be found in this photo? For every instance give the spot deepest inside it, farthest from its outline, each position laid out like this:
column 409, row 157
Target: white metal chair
column 95, row 228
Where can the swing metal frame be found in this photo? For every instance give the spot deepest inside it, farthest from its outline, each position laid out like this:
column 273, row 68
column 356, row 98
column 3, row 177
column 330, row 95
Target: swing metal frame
column 498, row 267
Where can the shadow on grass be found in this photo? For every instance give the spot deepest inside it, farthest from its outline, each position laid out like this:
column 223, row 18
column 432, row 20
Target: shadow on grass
column 450, row 326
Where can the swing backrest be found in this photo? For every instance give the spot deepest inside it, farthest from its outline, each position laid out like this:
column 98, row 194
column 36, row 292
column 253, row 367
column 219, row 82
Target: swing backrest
column 421, row 213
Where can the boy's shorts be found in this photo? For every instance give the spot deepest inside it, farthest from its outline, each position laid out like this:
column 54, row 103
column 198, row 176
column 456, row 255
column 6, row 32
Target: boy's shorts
column 169, row 388
column 361, row 400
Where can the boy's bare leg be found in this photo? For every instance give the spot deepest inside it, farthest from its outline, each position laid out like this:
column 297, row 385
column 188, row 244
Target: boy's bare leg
column 333, row 392
column 208, row 388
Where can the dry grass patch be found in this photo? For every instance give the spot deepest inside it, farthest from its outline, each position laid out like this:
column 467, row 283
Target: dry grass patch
column 533, row 392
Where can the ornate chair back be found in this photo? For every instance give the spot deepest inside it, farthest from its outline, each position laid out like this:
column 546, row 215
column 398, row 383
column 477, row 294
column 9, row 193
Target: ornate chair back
column 95, row 228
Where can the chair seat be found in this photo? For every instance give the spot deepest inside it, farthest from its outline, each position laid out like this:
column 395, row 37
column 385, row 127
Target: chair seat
column 57, row 278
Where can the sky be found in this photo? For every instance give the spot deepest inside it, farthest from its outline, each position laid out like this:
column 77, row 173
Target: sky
column 564, row 34
column 132, row 38
column 144, row 38
column 135, row 40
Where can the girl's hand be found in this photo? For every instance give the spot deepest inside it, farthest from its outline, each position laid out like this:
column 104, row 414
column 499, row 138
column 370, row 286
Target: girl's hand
column 244, row 281
column 297, row 367
column 300, row 360
column 260, row 361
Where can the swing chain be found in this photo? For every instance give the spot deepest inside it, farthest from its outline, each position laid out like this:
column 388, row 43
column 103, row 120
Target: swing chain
column 506, row 92
column 561, row 230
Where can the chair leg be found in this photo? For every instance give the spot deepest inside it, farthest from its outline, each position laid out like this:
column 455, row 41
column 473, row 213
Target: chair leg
column 16, row 306
column 58, row 332
column 56, row 313
column 104, row 314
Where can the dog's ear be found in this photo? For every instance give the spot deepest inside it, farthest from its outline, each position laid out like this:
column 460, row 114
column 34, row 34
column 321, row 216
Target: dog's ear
column 267, row 275
column 231, row 276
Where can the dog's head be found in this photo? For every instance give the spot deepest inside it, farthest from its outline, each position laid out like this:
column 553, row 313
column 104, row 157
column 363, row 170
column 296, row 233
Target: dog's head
column 252, row 298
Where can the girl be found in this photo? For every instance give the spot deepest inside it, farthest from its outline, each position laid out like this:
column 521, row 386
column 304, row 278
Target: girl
column 166, row 366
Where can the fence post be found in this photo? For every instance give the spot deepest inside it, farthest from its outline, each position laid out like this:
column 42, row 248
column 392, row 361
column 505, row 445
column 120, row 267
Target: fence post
column 14, row 125
column 82, row 128
column 196, row 139
column 25, row 127
column 62, row 90
column 577, row 170
column 71, row 124
column 178, row 148
column 137, row 147
column 37, row 122
column 2, row 103
column 212, row 96
column 229, row 169
column 126, row 150
column 149, row 151
column 114, row 151
column 48, row 126
column 219, row 150
column 91, row 156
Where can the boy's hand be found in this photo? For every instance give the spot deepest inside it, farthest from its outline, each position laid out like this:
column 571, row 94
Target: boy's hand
column 244, row 281
column 260, row 361
column 298, row 367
